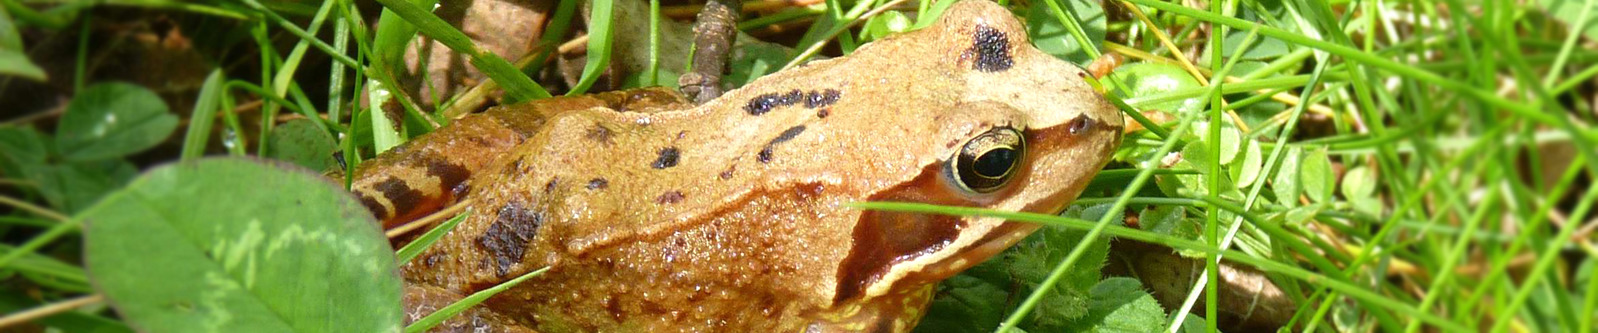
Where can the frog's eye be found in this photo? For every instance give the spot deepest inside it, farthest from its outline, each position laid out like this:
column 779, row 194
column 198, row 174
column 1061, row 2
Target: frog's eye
column 988, row 160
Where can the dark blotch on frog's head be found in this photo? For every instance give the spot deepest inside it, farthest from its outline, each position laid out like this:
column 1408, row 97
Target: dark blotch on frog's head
column 506, row 239
column 399, row 194
column 991, row 49
column 765, row 153
column 598, row 133
column 550, row 186
column 816, row 99
column 668, row 158
column 598, row 184
column 767, row 102
column 670, row 197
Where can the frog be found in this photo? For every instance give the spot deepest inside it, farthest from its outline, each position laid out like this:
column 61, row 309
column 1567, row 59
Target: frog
column 647, row 213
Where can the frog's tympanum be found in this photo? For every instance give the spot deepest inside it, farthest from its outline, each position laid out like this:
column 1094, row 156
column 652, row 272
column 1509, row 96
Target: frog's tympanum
column 658, row 216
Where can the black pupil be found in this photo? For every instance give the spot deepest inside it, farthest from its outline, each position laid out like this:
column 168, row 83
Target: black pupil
column 995, row 163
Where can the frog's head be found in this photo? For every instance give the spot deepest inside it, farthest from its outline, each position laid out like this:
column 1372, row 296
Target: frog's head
column 1024, row 132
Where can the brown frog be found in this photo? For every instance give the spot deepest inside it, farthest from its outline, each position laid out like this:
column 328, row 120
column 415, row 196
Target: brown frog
column 657, row 216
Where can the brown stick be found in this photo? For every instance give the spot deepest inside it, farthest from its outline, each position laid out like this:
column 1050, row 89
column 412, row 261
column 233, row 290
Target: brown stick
column 714, row 30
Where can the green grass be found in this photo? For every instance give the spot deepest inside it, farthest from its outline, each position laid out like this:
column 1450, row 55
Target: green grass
column 1392, row 166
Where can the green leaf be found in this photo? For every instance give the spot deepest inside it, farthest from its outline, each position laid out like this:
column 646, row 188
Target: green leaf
column 1166, row 220
column 13, row 60
column 300, row 141
column 236, row 245
column 1317, row 176
column 1248, row 171
column 1359, row 186
column 21, row 148
column 882, row 25
column 1148, row 79
column 111, row 120
column 73, row 186
column 1052, row 37
column 1359, row 182
column 1229, row 140
column 1120, row 305
column 1286, row 181
column 1263, row 47
column 1569, row 11
column 965, row 303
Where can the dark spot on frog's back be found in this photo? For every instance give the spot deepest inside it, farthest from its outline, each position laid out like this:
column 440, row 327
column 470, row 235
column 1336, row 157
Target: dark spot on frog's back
column 882, row 239
column 598, row 184
column 816, row 99
column 990, row 49
column 765, row 153
column 506, row 239
column 767, row 102
column 670, row 197
column 667, row 158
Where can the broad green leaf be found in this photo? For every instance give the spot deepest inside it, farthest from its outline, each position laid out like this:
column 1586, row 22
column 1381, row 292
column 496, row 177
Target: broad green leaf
column 1359, row 186
column 73, row 186
column 237, row 245
column 1569, row 11
column 1166, row 220
column 1120, row 305
column 1192, row 324
column 1262, row 48
column 1229, row 140
column 303, row 143
column 1248, row 171
column 1286, row 183
column 1052, row 37
column 1359, row 182
column 1317, row 176
column 21, row 148
column 1147, row 79
column 14, row 62
column 110, row 120
column 965, row 303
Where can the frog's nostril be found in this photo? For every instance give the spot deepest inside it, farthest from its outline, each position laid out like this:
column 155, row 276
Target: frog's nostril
column 1081, row 124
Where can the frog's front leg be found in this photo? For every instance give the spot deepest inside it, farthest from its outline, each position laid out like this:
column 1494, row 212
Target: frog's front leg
column 424, row 175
